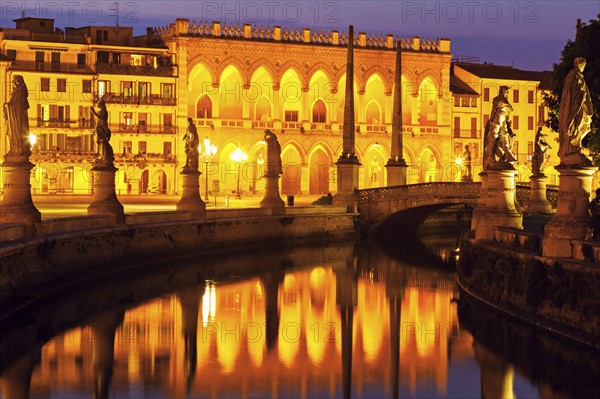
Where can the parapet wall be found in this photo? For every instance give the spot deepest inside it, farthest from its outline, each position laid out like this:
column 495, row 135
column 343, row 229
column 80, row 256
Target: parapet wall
column 43, row 264
column 557, row 295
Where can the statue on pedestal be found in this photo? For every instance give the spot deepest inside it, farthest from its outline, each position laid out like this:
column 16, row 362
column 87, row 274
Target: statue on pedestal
column 466, row 156
column 498, row 135
column 575, row 116
column 17, row 121
column 540, row 155
column 191, row 148
column 274, row 167
column 105, row 151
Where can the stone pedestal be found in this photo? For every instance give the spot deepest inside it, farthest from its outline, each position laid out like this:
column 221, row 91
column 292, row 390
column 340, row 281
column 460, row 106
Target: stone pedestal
column 347, row 184
column 396, row 172
column 272, row 200
column 572, row 219
column 499, row 208
column 190, row 196
column 17, row 204
column 538, row 203
column 104, row 201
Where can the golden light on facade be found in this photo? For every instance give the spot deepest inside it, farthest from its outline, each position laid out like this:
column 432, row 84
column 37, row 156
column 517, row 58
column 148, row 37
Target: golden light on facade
column 238, row 156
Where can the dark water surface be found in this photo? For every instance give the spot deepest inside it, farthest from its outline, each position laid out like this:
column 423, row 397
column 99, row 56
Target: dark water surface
column 344, row 320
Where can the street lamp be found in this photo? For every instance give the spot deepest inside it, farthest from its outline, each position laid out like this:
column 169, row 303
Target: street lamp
column 238, row 156
column 32, row 139
column 209, row 152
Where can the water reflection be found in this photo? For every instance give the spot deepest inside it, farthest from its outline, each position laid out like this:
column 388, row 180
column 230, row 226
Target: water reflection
column 375, row 320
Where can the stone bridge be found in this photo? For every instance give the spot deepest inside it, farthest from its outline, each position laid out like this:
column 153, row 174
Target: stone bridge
column 404, row 208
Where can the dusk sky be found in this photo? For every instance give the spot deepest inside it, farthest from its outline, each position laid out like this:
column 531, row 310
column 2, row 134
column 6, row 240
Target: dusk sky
column 526, row 34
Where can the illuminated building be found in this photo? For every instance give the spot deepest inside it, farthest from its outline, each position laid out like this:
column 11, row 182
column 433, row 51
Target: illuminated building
column 475, row 89
column 235, row 81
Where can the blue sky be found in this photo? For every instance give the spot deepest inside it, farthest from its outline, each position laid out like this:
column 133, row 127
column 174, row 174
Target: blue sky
column 526, row 34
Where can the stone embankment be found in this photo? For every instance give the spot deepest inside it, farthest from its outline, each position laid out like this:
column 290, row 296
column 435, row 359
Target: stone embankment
column 65, row 251
column 555, row 294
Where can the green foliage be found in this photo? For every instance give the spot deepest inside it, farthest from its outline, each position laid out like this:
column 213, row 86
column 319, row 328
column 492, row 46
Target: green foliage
column 585, row 45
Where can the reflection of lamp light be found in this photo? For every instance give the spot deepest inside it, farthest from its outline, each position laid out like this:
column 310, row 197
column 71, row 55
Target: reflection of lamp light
column 209, row 152
column 209, row 303
column 238, row 156
column 32, row 139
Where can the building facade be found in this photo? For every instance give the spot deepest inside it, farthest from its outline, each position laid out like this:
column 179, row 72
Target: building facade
column 235, row 81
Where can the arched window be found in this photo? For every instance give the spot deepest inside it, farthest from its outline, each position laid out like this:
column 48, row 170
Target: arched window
column 204, row 110
column 319, row 112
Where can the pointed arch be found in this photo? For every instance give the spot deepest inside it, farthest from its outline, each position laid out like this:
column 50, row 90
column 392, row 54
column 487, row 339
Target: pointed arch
column 200, row 84
column 427, row 102
column 230, row 93
column 374, row 159
column 236, row 64
column 380, row 72
column 260, row 94
column 291, row 180
column 320, row 165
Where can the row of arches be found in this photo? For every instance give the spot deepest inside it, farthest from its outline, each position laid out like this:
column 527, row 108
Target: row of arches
column 318, row 99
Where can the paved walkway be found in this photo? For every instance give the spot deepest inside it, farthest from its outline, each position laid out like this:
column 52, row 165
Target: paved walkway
column 59, row 206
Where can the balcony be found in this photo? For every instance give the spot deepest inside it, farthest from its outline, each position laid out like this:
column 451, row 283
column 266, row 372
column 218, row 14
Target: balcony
column 465, row 133
column 44, row 156
column 146, row 70
column 64, row 124
column 145, row 129
column 142, row 159
column 49, row 67
column 153, row 99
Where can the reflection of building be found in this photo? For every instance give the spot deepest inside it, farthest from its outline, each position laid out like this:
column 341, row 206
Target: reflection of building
column 153, row 346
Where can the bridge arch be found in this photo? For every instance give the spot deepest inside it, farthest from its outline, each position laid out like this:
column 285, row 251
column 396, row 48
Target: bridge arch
column 404, row 208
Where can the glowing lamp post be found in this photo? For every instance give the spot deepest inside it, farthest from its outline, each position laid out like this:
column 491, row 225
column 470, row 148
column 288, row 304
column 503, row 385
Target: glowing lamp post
column 459, row 163
column 209, row 152
column 32, row 139
column 238, row 156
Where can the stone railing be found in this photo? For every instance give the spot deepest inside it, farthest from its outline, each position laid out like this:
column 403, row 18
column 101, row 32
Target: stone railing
column 421, row 190
column 146, row 70
column 183, row 27
column 445, row 189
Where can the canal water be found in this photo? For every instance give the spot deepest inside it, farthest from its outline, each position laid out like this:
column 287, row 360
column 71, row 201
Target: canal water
column 364, row 320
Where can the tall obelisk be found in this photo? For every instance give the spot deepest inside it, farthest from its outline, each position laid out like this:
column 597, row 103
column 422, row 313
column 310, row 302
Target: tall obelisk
column 348, row 165
column 396, row 165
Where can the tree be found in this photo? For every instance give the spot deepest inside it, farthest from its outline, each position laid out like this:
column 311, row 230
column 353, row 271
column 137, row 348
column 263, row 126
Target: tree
column 585, row 45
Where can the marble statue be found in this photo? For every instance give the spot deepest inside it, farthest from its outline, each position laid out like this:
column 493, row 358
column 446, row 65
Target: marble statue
column 498, row 134
column 191, row 148
column 17, row 120
column 466, row 156
column 539, row 153
column 575, row 116
column 105, row 150
column 274, row 167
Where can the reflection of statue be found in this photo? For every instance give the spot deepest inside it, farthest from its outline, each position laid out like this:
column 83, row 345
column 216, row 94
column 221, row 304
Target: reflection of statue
column 105, row 151
column 575, row 116
column 466, row 156
column 273, row 154
column 498, row 134
column 191, row 148
column 374, row 170
column 539, row 153
column 17, row 121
